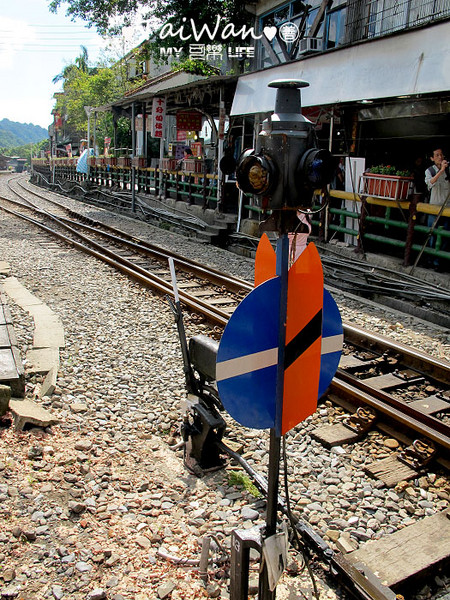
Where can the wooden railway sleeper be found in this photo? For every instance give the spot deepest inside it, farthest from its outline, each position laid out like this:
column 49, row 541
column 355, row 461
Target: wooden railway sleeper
column 361, row 421
column 418, row 455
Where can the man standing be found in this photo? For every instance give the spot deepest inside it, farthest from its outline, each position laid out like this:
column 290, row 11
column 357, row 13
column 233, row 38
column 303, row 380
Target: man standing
column 438, row 182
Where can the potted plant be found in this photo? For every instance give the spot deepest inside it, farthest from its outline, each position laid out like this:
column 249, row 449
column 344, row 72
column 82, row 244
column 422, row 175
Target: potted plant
column 124, row 161
column 111, row 160
column 139, row 161
column 387, row 181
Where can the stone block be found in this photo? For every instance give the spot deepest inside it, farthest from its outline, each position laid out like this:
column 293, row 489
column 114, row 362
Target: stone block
column 27, row 412
column 42, row 360
column 49, row 383
column 5, row 396
column 48, row 333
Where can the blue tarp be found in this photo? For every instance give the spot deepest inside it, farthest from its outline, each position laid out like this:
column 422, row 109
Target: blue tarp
column 82, row 166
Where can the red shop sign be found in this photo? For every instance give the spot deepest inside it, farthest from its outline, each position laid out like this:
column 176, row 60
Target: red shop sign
column 189, row 120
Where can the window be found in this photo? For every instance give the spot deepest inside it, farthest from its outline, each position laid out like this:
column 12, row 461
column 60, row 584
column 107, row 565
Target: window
column 335, row 28
column 331, row 29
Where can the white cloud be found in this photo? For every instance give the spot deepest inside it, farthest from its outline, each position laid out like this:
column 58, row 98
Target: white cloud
column 14, row 35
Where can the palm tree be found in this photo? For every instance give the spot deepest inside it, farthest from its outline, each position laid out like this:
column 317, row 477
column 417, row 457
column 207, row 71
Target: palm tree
column 81, row 63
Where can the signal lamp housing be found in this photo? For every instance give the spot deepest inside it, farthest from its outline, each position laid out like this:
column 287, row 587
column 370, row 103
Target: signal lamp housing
column 256, row 173
column 316, row 167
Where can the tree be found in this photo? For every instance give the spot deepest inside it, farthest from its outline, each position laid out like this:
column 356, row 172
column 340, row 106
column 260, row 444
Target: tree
column 84, row 85
column 162, row 16
column 81, row 63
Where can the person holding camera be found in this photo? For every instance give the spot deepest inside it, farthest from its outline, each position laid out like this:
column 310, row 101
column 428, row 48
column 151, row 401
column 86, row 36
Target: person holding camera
column 437, row 180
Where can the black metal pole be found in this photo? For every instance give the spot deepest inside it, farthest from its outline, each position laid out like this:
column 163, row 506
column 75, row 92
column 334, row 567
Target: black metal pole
column 133, row 154
column 275, row 434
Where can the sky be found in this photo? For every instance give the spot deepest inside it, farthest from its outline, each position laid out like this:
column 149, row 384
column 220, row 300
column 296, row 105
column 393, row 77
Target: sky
column 36, row 45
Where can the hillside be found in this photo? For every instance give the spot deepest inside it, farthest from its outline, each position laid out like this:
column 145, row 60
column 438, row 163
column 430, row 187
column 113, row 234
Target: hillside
column 17, row 134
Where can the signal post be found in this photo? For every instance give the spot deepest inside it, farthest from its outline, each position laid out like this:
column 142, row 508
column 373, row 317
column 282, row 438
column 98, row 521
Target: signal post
column 270, row 365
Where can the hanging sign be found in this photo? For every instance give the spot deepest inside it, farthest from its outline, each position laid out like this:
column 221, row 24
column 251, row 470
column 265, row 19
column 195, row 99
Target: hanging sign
column 222, row 116
column 139, row 123
column 158, row 117
column 189, row 120
column 196, row 148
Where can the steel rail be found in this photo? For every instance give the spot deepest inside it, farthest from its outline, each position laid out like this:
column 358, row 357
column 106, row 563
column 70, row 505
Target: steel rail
column 235, row 284
column 213, row 275
column 414, row 420
column 130, row 269
column 423, row 363
column 343, row 382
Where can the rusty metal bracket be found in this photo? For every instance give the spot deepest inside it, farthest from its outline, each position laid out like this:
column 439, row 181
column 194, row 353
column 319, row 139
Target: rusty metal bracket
column 242, row 541
column 418, row 455
column 409, row 375
column 362, row 420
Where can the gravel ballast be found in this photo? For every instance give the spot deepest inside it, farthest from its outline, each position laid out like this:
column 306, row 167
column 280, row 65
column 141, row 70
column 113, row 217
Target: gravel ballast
column 88, row 506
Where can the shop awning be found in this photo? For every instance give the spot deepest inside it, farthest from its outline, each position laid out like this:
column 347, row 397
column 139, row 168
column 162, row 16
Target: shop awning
column 407, row 63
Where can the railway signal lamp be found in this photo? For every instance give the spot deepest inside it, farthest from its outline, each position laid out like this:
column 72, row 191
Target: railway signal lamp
column 286, row 166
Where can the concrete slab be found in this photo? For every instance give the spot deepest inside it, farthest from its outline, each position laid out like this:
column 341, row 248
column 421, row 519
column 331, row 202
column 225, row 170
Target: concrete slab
column 5, row 315
column 19, row 293
column 8, row 369
column 42, row 360
column 41, row 312
column 49, row 334
column 5, row 267
column 4, row 337
column 7, row 336
column 29, row 413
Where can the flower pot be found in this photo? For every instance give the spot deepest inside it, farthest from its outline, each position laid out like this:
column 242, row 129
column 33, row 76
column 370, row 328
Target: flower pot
column 139, row 161
column 169, row 164
column 387, row 186
column 193, row 165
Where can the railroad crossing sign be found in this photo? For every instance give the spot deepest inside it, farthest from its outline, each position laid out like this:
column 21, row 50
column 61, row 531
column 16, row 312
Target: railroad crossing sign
column 247, row 359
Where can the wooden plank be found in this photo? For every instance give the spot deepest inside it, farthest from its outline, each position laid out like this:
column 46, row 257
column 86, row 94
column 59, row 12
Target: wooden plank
column 408, row 552
column 201, row 293
column 390, row 471
column 222, row 301
column 4, row 337
column 431, row 405
column 8, row 369
column 334, row 435
column 188, row 284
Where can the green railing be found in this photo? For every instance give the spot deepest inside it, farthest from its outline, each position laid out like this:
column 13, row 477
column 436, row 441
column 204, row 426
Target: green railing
column 385, row 226
column 379, row 225
column 185, row 186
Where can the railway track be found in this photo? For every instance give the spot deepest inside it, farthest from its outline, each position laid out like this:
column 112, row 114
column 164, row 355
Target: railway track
column 367, row 357
column 374, row 371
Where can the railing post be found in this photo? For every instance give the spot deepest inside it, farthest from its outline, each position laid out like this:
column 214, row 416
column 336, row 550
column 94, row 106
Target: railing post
column 190, row 199
column 157, row 180
column 205, row 201
column 411, row 224
column 177, row 185
column 361, row 225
